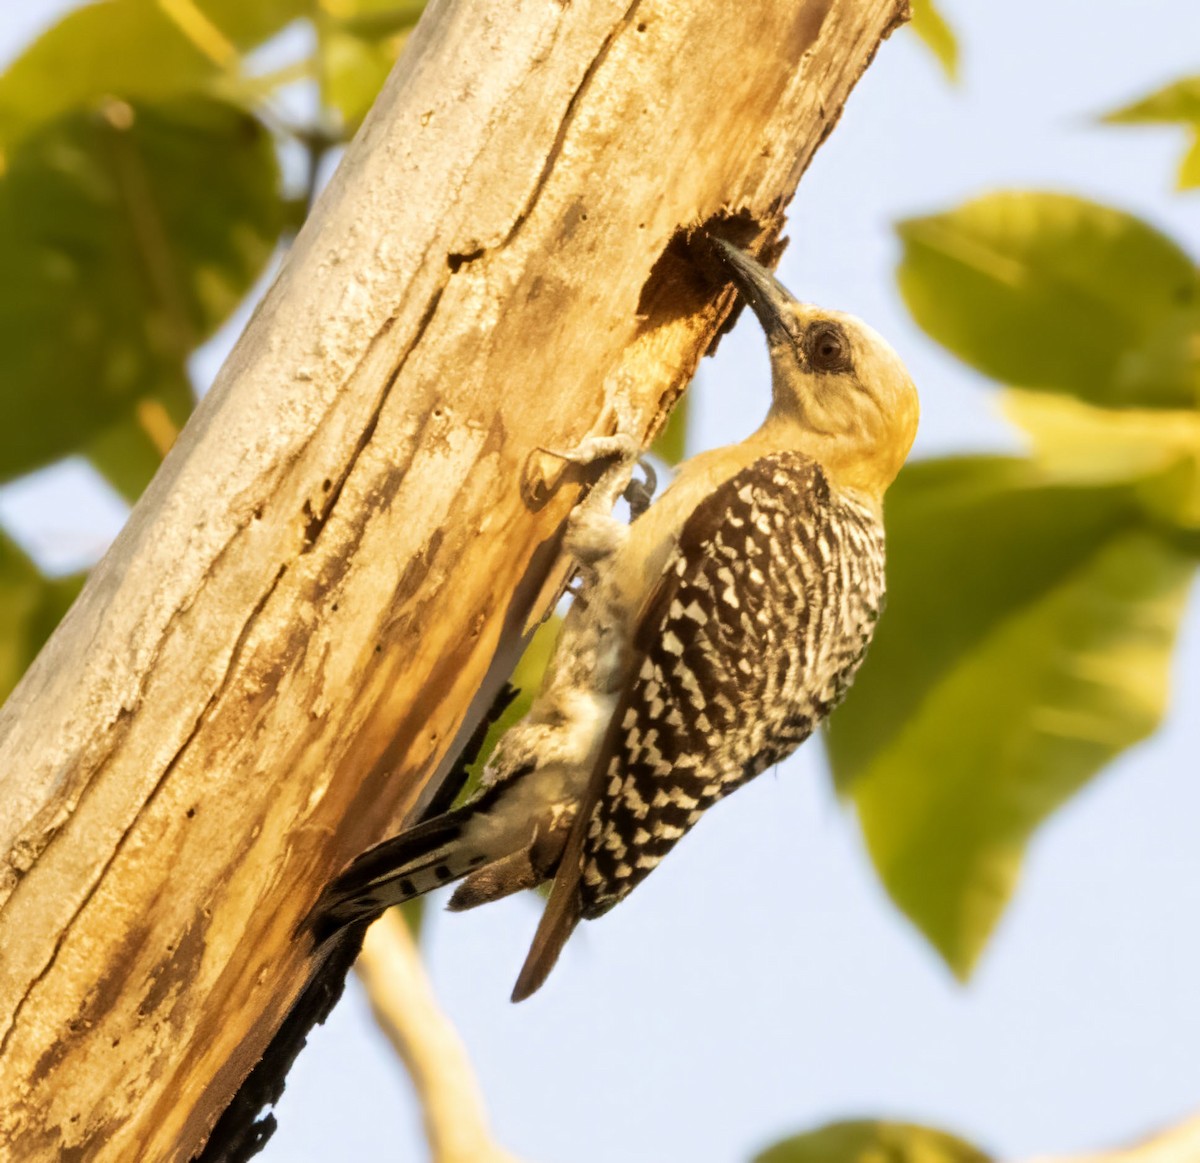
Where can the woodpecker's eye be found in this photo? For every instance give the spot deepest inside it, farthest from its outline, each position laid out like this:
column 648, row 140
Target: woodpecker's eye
column 827, row 348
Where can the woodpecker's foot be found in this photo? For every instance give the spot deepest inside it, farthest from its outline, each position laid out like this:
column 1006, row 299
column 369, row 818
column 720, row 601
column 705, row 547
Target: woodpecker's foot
column 593, row 533
column 538, row 484
column 595, row 448
column 639, row 494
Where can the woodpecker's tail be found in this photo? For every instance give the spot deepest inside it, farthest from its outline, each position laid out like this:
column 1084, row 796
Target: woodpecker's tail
column 417, row 861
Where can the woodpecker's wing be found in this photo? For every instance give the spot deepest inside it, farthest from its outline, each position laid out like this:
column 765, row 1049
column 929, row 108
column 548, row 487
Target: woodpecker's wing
column 754, row 629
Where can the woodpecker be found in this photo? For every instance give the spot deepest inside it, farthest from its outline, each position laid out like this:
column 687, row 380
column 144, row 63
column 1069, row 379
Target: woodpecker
column 709, row 638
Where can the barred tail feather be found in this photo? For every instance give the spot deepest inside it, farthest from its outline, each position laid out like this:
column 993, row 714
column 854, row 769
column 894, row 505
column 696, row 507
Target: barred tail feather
column 417, row 861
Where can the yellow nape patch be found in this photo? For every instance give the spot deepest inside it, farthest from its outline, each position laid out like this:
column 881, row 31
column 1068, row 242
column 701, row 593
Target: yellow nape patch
column 868, row 475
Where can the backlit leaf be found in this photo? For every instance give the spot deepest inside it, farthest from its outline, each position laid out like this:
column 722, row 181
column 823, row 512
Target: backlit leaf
column 1155, row 450
column 116, row 48
column 929, row 24
column 1179, row 103
column 30, row 607
column 1056, row 293
column 1027, row 641
column 248, row 22
column 127, row 235
column 413, row 912
column 359, row 41
column 873, row 1141
column 136, row 51
column 527, row 678
column 127, row 453
column 1189, row 168
column 671, row 442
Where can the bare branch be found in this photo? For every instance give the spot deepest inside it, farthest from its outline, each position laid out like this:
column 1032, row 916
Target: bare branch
column 402, row 999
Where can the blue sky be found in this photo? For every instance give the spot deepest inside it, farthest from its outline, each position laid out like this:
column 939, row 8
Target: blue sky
column 760, row 982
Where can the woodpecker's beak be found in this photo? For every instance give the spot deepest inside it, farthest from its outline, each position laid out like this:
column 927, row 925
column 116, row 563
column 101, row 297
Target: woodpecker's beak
column 767, row 296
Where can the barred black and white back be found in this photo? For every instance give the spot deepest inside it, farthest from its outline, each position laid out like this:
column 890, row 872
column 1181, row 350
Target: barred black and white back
column 761, row 619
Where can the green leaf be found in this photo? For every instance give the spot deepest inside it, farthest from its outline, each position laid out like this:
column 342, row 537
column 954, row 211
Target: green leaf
column 1027, row 641
column 375, row 19
column 527, row 678
column 358, row 42
column 873, row 1141
column 929, row 24
column 1155, row 450
column 671, row 442
column 128, row 235
column 114, row 49
column 1179, row 101
column 1189, row 168
column 413, row 912
column 245, row 22
column 30, row 607
column 127, row 453
column 135, row 50
column 352, row 71
column 1056, row 293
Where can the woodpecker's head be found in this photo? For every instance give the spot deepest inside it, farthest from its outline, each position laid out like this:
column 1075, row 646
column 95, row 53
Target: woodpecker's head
column 841, row 393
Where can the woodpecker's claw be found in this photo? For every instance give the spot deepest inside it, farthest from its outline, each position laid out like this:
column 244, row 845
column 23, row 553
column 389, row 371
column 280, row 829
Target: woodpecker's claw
column 538, row 484
column 596, row 448
column 639, row 494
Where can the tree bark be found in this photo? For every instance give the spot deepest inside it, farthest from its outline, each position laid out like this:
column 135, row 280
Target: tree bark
column 334, row 569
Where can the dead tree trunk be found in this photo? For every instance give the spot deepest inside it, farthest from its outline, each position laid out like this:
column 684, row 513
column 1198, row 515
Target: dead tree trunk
column 335, row 566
